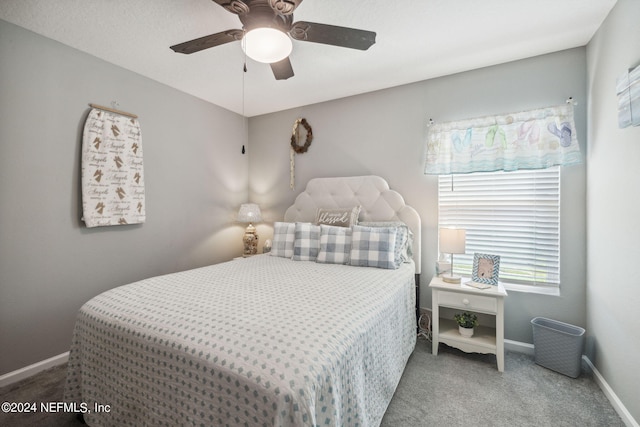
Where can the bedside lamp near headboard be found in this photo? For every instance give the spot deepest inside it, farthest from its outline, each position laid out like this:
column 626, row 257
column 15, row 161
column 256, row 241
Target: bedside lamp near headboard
column 249, row 213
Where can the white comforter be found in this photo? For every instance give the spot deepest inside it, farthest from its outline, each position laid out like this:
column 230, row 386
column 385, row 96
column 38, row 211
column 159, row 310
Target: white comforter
column 263, row 341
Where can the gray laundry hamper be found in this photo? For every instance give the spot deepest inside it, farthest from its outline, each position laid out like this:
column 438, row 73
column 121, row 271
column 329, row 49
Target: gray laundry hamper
column 558, row 346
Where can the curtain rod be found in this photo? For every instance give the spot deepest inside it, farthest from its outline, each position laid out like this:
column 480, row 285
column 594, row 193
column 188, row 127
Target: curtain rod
column 113, row 110
column 568, row 101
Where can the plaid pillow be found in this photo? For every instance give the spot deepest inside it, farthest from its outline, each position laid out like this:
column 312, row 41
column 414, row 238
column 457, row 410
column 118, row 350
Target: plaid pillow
column 283, row 238
column 373, row 247
column 307, row 242
column 335, row 245
column 404, row 239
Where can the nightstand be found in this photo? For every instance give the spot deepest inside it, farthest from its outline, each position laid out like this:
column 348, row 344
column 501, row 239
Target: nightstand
column 459, row 296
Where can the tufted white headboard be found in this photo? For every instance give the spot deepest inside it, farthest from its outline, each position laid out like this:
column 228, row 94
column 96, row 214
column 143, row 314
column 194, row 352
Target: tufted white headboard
column 378, row 202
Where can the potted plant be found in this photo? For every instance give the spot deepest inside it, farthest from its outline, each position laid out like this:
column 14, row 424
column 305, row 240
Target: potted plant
column 466, row 322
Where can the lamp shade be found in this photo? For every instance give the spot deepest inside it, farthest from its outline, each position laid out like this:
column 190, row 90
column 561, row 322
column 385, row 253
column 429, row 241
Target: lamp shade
column 452, row 240
column 267, row 45
column 249, row 212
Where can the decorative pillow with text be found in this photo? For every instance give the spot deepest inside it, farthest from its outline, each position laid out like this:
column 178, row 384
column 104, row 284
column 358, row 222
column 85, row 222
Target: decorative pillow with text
column 343, row 217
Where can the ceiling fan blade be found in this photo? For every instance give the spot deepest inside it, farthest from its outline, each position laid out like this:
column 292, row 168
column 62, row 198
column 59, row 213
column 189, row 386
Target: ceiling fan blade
column 234, row 6
column 208, row 41
column 333, row 35
column 282, row 70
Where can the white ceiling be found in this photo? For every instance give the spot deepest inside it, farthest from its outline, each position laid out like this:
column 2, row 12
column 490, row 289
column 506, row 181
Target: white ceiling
column 416, row 40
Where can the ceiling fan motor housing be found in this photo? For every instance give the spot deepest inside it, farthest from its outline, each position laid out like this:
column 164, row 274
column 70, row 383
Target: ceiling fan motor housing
column 284, row 7
column 263, row 15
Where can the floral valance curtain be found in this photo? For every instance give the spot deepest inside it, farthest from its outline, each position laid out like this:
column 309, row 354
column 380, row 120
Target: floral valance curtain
column 535, row 139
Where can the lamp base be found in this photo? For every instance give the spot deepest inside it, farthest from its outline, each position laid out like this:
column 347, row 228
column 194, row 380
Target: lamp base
column 250, row 241
column 452, row 279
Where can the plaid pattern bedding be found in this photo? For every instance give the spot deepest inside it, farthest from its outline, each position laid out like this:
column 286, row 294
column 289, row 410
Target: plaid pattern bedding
column 307, row 242
column 283, row 239
column 404, row 239
column 373, row 247
column 335, row 245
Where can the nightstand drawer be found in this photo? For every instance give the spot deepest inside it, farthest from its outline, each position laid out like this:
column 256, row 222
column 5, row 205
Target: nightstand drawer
column 468, row 302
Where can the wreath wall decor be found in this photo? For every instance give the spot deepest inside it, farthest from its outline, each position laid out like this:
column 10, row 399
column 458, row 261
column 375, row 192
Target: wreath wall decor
column 295, row 136
column 296, row 148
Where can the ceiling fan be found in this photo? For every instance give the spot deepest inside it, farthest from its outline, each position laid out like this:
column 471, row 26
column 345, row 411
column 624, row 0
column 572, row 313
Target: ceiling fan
column 276, row 16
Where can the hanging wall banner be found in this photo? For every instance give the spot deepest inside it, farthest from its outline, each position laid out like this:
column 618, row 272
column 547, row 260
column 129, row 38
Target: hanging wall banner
column 628, row 90
column 112, row 172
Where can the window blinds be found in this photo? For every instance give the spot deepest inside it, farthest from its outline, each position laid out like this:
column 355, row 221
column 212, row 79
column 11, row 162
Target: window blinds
column 512, row 214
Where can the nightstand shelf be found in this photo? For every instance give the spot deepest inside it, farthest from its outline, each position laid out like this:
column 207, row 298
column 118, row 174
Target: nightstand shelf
column 465, row 298
column 482, row 341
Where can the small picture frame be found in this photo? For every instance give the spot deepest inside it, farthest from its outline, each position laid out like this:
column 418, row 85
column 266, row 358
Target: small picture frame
column 486, row 269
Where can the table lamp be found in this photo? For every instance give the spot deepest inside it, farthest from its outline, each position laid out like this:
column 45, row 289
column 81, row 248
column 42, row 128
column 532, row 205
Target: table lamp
column 452, row 241
column 249, row 213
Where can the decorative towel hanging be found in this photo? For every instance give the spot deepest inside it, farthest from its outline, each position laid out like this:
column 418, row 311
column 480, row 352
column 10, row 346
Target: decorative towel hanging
column 112, row 171
column 535, row 139
column 296, row 148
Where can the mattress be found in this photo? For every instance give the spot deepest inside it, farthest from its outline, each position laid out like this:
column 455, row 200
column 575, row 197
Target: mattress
column 261, row 341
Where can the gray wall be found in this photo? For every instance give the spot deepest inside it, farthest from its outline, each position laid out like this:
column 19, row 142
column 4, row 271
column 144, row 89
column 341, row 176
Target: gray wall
column 383, row 133
column 50, row 264
column 613, row 287
column 196, row 178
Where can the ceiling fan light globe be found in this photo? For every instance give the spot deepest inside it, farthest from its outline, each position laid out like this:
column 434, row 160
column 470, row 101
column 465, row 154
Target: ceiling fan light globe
column 266, row 45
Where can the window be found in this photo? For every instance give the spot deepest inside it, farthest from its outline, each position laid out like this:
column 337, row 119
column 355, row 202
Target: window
column 512, row 214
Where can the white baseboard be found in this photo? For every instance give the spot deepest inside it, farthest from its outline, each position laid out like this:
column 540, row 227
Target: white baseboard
column 519, row 347
column 626, row 416
column 27, row 371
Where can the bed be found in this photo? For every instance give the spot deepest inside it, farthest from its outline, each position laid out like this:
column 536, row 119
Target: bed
column 262, row 341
